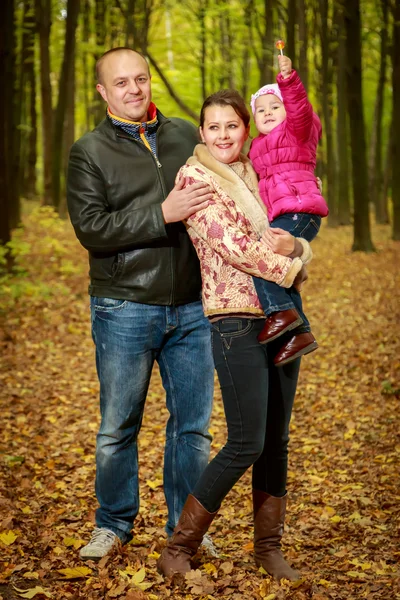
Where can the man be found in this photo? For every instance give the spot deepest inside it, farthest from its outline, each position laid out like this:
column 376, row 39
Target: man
column 145, row 292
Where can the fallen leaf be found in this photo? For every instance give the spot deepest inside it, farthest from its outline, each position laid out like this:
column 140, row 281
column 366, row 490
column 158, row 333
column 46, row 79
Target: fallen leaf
column 75, row 573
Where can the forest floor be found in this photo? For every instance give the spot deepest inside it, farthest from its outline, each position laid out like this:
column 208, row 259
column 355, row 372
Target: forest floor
column 343, row 513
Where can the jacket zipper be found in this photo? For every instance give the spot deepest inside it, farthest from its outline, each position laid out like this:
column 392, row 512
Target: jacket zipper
column 159, row 166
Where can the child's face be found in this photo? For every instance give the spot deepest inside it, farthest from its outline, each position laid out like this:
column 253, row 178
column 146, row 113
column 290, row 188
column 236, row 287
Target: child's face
column 269, row 113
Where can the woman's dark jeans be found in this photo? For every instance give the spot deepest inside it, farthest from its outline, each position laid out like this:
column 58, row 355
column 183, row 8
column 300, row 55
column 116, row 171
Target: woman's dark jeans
column 258, row 400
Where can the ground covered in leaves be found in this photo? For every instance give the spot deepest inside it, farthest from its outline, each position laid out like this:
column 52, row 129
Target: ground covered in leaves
column 343, row 515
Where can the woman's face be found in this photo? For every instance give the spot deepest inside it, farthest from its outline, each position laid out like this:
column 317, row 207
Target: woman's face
column 224, row 133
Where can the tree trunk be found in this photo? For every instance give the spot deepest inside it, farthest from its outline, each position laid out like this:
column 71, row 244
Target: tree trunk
column 64, row 84
column 27, row 100
column 100, row 28
column 291, row 30
column 362, row 230
column 244, row 88
column 43, row 20
column 302, row 64
column 203, row 44
column 396, row 123
column 68, row 140
column 266, row 60
column 226, row 78
column 326, row 109
column 29, row 187
column 387, row 171
column 6, row 108
column 85, row 68
column 343, row 202
column 375, row 156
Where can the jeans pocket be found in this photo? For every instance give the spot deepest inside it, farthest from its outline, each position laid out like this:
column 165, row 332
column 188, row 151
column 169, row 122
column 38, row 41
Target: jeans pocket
column 310, row 229
column 107, row 304
column 232, row 328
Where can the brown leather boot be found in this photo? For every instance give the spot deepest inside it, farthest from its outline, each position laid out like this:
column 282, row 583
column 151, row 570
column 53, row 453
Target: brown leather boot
column 297, row 346
column 186, row 539
column 269, row 519
column 279, row 323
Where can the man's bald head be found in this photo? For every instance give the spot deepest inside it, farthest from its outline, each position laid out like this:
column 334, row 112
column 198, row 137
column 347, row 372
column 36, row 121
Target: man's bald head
column 112, row 53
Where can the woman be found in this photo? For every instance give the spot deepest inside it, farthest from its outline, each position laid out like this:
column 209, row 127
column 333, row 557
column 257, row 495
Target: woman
column 258, row 396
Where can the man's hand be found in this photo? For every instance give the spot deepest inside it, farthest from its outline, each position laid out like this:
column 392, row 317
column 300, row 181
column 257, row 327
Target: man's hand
column 279, row 241
column 182, row 202
column 300, row 278
column 285, row 65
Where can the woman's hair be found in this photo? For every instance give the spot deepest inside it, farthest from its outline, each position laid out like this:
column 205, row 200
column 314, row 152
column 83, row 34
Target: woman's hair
column 227, row 98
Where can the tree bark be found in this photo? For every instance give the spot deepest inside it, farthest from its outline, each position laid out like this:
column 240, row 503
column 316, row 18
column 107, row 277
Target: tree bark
column 27, row 100
column 100, row 28
column 64, row 84
column 266, row 59
column 6, row 107
column 396, row 123
column 343, row 202
column 302, row 64
column 326, row 109
column 85, row 67
column 291, row 30
column 375, row 155
column 43, row 20
column 362, row 230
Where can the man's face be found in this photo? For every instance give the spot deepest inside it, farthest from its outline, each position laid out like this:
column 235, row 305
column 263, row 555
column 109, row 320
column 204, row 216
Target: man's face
column 126, row 85
column 269, row 113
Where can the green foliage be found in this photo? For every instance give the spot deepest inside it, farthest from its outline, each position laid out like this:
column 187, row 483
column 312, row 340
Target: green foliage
column 41, row 258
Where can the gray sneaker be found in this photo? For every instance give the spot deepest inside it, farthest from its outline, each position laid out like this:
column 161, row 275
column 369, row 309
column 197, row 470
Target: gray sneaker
column 209, row 547
column 101, row 542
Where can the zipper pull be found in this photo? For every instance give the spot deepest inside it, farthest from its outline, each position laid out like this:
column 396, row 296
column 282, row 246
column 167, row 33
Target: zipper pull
column 159, row 165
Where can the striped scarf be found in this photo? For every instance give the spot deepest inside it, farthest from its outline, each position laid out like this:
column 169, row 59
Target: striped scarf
column 142, row 132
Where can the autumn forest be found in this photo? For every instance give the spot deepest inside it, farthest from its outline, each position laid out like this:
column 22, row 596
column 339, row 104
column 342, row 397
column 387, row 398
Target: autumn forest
column 342, row 530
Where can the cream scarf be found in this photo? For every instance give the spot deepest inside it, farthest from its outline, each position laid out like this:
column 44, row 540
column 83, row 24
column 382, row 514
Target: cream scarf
column 234, row 186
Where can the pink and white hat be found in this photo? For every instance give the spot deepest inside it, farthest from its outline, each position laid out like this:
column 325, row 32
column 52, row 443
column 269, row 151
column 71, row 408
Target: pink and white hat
column 272, row 88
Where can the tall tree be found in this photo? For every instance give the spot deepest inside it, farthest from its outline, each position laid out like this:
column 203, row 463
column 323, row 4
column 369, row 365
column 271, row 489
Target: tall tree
column 362, row 228
column 26, row 149
column 291, row 29
column 326, row 90
column 43, row 21
column 343, row 192
column 100, row 29
column 7, row 69
column 302, row 63
column 265, row 56
column 396, row 122
column 375, row 157
column 65, row 83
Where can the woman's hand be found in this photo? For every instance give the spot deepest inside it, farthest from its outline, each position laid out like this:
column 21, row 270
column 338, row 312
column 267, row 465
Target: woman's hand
column 279, row 241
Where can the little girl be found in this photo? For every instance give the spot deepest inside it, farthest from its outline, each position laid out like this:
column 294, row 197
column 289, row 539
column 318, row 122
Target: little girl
column 284, row 157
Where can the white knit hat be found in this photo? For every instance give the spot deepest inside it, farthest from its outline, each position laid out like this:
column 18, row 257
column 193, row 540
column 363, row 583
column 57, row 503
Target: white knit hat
column 272, row 88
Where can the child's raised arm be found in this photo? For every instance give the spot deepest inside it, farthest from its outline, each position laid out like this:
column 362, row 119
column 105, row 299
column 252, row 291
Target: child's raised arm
column 299, row 111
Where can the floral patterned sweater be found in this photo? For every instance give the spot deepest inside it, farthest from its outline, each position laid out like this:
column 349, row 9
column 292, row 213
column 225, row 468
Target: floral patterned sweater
column 226, row 236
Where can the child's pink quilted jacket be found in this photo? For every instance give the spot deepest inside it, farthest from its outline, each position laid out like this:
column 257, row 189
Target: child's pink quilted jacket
column 285, row 159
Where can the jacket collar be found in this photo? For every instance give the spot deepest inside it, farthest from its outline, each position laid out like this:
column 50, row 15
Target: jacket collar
column 251, row 204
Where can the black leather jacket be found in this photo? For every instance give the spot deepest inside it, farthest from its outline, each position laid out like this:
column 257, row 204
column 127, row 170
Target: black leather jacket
column 115, row 189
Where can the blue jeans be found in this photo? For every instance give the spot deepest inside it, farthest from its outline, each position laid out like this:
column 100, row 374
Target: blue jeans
column 272, row 296
column 258, row 400
column 129, row 337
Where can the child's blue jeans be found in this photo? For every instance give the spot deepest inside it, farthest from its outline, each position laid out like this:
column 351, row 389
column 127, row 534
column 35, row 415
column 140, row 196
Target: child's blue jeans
column 272, row 296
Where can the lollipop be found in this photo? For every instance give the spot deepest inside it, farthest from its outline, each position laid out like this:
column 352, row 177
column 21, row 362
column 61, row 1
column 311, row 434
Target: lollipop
column 280, row 44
